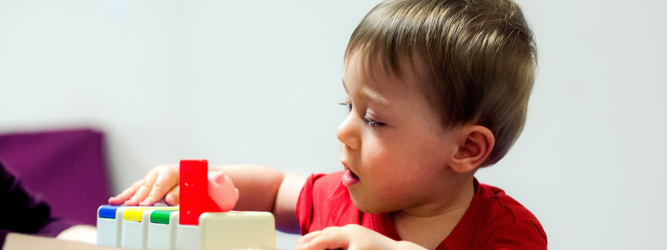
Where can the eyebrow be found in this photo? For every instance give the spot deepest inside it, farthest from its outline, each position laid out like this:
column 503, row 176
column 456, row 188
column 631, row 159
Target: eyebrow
column 374, row 96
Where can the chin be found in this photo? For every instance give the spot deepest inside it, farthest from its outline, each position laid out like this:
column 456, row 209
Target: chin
column 369, row 207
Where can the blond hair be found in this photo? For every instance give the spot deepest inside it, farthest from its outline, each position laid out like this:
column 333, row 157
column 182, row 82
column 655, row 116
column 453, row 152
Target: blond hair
column 481, row 54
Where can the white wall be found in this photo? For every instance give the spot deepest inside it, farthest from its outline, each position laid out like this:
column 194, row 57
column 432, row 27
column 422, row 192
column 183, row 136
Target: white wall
column 258, row 82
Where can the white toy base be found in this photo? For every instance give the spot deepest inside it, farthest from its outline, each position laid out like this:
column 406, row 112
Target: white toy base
column 219, row 231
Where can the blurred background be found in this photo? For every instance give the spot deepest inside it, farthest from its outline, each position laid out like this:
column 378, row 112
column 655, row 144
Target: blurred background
column 259, row 81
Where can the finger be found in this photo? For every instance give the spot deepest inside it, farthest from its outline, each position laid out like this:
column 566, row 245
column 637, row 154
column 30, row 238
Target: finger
column 173, row 196
column 165, row 182
column 125, row 195
column 331, row 238
column 307, row 238
column 143, row 190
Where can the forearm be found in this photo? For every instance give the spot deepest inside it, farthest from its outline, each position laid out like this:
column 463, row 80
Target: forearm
column 267, row 189
column 258, row 185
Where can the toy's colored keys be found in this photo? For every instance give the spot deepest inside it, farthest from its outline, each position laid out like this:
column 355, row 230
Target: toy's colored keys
column 161, row 216
column 135, row 213
column 108, row 211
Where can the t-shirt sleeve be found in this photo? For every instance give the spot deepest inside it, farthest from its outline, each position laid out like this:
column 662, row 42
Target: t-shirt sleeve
column 304, row 205
column 22, row 212
column 325, row 202
column 517, row 236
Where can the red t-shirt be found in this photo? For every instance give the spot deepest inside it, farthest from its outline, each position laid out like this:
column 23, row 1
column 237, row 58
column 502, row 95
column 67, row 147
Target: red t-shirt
column 493, row 221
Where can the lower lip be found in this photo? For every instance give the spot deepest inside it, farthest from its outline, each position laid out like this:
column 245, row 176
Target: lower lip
column 349, row 179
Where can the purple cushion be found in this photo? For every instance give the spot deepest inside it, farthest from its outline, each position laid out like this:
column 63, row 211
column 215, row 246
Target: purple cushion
column 67, row 167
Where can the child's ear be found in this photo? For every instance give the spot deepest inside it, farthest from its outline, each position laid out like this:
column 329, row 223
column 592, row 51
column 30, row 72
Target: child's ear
column 474, row 145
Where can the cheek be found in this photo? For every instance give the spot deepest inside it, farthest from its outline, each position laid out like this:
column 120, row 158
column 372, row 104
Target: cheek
column 388, row 164
column 402, row 162
column 389, row 154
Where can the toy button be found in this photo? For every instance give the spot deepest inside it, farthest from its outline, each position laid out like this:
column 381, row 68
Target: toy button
column 161, row 216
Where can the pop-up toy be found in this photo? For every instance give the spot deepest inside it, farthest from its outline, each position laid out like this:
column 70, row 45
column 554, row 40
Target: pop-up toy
column 203, row 220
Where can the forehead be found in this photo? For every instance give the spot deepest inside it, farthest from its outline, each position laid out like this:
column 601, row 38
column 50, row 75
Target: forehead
column 379, row 80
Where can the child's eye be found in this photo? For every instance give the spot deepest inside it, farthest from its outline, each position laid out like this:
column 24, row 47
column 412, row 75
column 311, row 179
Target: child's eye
column 349, row 106
column 372, row 123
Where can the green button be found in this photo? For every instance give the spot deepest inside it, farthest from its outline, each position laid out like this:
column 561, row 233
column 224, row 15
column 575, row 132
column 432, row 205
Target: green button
column 161, row 216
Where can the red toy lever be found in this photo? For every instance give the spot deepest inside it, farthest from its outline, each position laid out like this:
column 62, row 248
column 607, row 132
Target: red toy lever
column 194, row 196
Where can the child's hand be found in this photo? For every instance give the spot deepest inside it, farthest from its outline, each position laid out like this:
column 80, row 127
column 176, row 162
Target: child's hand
column 352, row 237
column 160, row 181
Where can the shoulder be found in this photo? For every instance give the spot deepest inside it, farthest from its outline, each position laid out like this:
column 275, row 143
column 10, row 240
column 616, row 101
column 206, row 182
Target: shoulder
column 505, row 208
column 320, row 186
column 505, row 223
column 326, row 183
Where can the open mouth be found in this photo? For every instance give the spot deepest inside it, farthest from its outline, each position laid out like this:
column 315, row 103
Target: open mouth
column 349, row 178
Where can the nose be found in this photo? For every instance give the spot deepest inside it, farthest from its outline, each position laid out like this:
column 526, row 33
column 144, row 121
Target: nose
column 348, row 133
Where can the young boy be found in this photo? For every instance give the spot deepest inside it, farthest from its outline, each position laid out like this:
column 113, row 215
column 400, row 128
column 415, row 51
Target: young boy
column 436, row 89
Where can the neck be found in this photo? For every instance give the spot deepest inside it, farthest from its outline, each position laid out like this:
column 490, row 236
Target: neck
column 455, row 196
column 430, row 223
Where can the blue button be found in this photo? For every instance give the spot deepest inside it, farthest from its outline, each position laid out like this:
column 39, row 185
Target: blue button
column 108, row 211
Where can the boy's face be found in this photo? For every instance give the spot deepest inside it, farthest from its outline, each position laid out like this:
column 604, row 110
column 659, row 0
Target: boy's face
column 392, row 141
